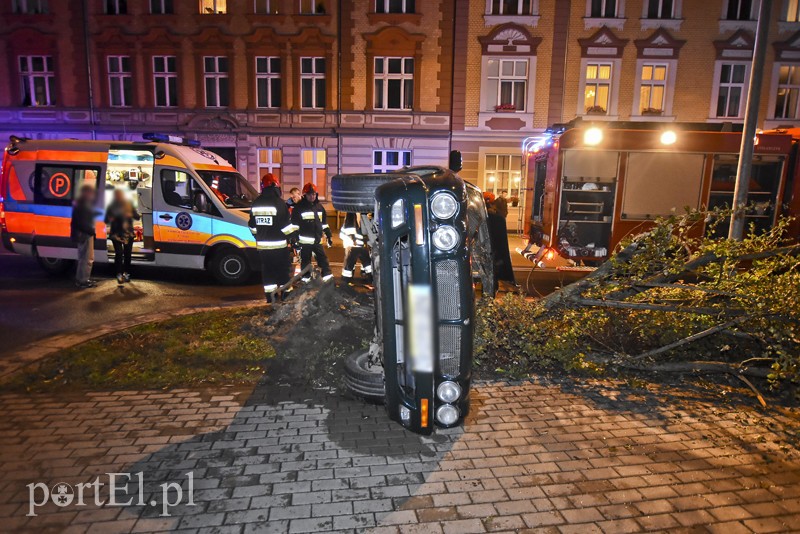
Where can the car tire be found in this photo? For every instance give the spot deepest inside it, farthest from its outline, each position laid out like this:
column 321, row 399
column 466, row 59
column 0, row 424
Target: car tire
column 356, row 193
column 229, row 267
column 55, row 266
column 361, row 379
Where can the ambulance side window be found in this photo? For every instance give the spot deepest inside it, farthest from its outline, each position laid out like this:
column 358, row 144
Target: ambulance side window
column 58, row 185
column 176, row 187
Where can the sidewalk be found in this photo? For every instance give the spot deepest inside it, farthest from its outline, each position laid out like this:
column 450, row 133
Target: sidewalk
column 550, row 456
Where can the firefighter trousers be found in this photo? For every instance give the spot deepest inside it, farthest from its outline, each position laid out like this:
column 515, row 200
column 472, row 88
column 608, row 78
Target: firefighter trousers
column 275, row 266
column 356, row 254
column 319, row 254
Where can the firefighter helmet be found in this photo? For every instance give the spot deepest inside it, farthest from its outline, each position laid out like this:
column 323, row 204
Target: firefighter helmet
column 488, row 197
column 309, row 188
column 269, row 180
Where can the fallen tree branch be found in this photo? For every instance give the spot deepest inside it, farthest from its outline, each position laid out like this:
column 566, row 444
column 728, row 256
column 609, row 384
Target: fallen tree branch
column 650, row 285
column 694, row 337
column 753, row 389
column 690, row 367
column 656, row 307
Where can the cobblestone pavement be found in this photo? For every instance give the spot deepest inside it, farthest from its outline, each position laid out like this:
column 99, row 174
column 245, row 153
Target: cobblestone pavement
column 552, row 457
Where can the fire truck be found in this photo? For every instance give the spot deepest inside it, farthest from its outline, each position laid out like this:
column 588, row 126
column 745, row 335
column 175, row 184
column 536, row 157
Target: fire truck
column 593, row 184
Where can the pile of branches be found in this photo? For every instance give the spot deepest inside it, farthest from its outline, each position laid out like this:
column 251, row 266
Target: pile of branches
column 671, row 300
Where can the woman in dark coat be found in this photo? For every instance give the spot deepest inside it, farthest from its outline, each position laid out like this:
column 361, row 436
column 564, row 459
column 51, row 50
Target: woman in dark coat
column 119, row 219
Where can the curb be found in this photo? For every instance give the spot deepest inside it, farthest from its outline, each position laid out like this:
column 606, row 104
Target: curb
column 20, row 358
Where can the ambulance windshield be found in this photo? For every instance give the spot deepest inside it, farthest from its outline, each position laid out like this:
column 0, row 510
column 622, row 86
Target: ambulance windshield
column 230, row 187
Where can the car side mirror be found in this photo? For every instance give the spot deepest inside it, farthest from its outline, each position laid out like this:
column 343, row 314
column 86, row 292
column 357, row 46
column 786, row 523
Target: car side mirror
column 456, row 162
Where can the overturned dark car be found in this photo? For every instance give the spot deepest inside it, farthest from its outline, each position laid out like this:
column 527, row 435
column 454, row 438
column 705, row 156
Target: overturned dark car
column 430, row 241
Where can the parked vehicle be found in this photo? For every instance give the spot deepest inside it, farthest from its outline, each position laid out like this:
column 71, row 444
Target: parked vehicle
column 194, row 204
column 427, row 232
column 595, row 184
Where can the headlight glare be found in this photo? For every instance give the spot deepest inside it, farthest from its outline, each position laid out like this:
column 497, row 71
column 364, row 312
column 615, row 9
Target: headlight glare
column 445, row 238
column 448, row 392
column 398, row 213
column 447, row 415
column 444, row 205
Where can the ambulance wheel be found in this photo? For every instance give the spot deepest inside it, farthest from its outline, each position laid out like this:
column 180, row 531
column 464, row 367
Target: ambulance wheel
column 55, row 266
column 356, row 194
column 361, row 379
column 229, row 267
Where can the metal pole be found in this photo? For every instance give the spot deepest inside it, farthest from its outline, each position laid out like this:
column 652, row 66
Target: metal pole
column 744, row 169
column 88, row 51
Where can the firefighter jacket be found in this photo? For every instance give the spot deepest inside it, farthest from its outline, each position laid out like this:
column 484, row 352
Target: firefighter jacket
column 269, row 220
column 350, row 233
column 312, row 222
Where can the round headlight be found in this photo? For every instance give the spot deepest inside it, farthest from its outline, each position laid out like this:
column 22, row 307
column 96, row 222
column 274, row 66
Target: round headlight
column 448, row 392
column 444, row 205
column 445, row 238
column 447, row 414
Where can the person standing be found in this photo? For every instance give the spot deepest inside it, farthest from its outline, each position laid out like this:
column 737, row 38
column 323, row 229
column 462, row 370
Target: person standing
column 294, row 198
column 355, row 247
column 312, row 222
column 501, row 204
column 119, row 219
column 270, row 224
column 82, row 233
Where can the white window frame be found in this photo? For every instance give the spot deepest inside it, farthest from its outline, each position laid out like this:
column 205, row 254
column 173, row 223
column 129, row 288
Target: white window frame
column 597, row 82
column 308, row 7
column 532, row 8
column 530, row 19
column 672, row 23
column 403, row 9
column 385, row 76
column 754, row 6
column 646, row 10
column 28, row 78
column 270, row 164
column 776, row 86
column 217, row 76
column 116, row 10
column 717, row 86
column 668, row 85
column 403, row 157
column 217, row 7
column 487, row 109
column 122, row 78
column 30, row 7
column 268, row 77
column 490, row 81
column 163, row 9
column 165, row 76
column 314, row 166
column 612, row 110
column 490, row 177
column 619, row 11
column 314, row 76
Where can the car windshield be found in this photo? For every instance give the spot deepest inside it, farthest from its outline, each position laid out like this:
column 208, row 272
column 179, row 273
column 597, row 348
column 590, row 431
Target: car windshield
column 230, row 187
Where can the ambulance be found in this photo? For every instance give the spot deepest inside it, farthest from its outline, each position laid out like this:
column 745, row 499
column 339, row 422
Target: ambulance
column 194, row 205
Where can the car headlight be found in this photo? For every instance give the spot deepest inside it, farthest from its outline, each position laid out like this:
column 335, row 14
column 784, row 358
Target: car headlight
column 447, row 414
column 445, row 238
column 448, row 392
column 444, row 205
column 398, row 213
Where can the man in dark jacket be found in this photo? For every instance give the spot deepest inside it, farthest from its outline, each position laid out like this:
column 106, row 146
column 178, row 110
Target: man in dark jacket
column 501, row 204
column 270, row 224
column 312, row 222
column 82, row 233
column 498, row 236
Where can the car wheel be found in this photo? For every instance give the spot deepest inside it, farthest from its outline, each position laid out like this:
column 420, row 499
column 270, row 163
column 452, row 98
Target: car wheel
column 356, row 193
column 229, row 267
column 362, row 379
column 55, row 266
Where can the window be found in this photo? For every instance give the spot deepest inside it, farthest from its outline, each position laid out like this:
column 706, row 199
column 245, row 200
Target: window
column 313, row 161
column 268, row 82
column 502, row 173
column 265, row 7
column 216, row 80
column 311, row 7
column 389, row 160
column 165, row 78
column 270, row 160
column 512, row 7
column 507, row 84
column 312, row 82
column 211, row 7
column 116, row 7
column 394, row 6
column 176, row 187
column 598, row 88
column 162, row 7
column 30, row 7
column 739, row 10
column 786, row 103
column 37, row 81
column 730, row 94
column 603, row 9
column 57, row 185
column 653, row 88
column 394, row 83
column 660, row 9
column 120, row 87
column 792, row 11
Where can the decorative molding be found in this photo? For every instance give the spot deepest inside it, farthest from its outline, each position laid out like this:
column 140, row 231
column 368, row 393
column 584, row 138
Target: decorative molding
column 602, row 44
column 737, row 46
column 509, row 40
column 603, row 22
column 659, row 45
column 527, row 20
column 788, row 50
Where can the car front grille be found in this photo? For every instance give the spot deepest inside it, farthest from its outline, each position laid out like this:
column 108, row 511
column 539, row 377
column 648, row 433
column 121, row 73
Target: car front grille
column 447, row 286
column 450, row 350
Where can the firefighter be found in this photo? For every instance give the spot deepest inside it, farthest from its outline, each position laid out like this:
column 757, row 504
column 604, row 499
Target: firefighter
column 355, row 246
column 311, row 220
column 271, row 226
